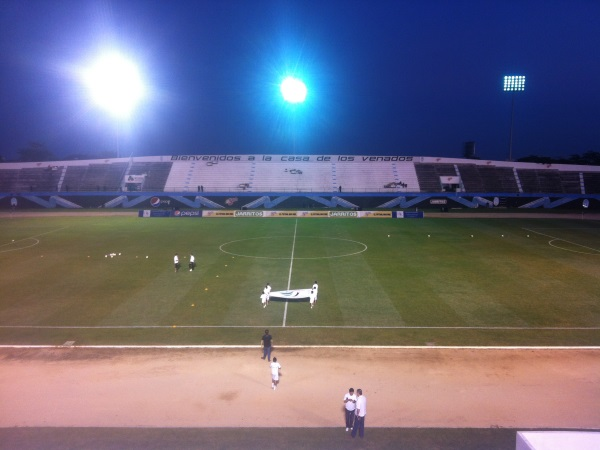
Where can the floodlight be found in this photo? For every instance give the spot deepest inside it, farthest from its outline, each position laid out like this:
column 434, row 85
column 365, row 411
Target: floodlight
column 514, row 83
column 293, row 90
column 115, row 84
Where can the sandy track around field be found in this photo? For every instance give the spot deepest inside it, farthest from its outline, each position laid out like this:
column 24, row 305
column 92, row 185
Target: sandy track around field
column 430, row 387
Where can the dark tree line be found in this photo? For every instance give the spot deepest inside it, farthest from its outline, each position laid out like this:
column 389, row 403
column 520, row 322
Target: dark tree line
column 587, row 159
column 37, row 152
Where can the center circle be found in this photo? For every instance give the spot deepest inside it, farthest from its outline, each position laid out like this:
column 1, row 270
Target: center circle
column 270, row 247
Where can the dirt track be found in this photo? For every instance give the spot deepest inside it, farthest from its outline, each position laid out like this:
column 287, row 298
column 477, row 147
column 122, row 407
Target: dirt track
column 77, row 387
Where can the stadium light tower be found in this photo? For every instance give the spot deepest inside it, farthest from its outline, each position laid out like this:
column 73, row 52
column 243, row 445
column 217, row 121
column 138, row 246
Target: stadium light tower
column 512, row 84
column 293, row 90
column 115, row 85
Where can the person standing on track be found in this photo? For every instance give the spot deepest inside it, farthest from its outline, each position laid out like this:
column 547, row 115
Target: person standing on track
column 275, row 367
column 350, row 406
column 360, row 414
column 267, row 345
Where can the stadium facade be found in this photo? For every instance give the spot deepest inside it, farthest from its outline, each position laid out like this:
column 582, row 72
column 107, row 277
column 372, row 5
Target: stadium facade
column 263, row 181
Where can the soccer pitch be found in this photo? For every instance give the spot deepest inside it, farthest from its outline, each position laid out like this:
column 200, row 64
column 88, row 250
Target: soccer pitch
column 383, row 282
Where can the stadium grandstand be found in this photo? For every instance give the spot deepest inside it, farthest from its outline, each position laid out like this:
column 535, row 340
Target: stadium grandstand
column 293, row 181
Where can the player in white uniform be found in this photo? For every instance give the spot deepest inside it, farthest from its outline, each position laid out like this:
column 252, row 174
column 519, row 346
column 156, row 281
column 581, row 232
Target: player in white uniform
column 267, row 292
column 312, row 298
column 315, row 287
column 275, row 367
column 192, row 263
column 176, row 262
column 263, row 299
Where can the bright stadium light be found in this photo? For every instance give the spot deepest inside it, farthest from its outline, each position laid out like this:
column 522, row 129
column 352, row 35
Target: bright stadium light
column 513, row 83
column 293, row 90
column 115, row 84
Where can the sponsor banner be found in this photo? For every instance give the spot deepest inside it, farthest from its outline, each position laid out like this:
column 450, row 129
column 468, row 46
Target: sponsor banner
column 309, row 214
column 375, row 214
column 231, row 200
column 217, row 213
column 438, row 201
column 344, row 214
column 187, row 213
column 450, row 180
column 154, row 213
column 410, row 214
column 249, row 213
column 281, row 213
column 294, row 295
column 313, row 213
column 135, row 178
column 155, row 202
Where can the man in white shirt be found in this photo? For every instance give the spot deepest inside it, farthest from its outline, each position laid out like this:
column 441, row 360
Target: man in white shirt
column 176, row 262
column 350, row 406
column 267, row 292
column 312, row 298
column 263, row 299
column 315, row 287
column 192, row 264
column 275, row 367
column 360, row 413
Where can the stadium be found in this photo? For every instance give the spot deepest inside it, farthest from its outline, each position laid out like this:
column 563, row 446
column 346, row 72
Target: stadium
column 293, row 182
column 184, row 183
column 467, row 304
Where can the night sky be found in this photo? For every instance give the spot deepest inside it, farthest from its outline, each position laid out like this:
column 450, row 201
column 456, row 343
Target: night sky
column 384, row 77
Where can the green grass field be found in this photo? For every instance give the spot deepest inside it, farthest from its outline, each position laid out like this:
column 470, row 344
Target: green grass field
column 479, row 282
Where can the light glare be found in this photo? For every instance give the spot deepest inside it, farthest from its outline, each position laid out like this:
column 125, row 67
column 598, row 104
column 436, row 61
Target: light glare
column 115, row 84
column 293, row 90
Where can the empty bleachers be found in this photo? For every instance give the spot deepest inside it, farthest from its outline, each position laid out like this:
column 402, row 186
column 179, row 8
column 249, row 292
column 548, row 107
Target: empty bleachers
column 282, row 173
column 429, row 175
column 571, row 182
column 30, row 179
column 498, row 179
column 471, row 178
column 9, row 179
column 296, row 176
column 94, row 177
column 540, row 181
column 221, row 176
column 379, row 176
column 592, row 182
column 156, row 174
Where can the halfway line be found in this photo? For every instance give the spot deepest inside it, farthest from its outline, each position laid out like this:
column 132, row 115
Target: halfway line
column 290, row 273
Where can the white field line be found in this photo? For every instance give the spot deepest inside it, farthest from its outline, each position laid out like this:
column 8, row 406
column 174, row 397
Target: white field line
column 403, row 347
column 34, row 238
column 290, row 273
column 554, row 238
